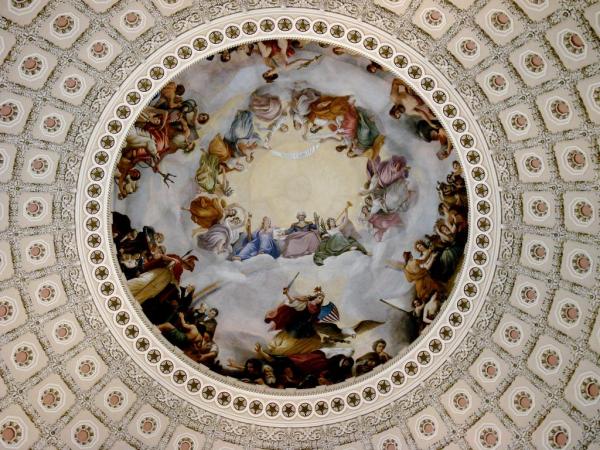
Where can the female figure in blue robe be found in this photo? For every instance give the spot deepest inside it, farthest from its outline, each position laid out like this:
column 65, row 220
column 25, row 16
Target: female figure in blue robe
column 260, row 242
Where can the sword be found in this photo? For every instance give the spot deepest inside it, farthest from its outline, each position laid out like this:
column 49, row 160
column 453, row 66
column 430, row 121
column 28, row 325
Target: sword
column 292, row 282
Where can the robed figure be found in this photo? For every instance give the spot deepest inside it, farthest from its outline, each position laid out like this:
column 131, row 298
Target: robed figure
column 294, row 320
column 337, row 239
column 302, row 238
column 259, row 242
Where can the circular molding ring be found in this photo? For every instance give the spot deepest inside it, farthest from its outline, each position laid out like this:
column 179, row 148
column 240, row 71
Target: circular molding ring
column 231, row 398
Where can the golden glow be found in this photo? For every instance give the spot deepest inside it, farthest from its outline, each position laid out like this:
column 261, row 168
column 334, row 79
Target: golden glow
column 279, row 188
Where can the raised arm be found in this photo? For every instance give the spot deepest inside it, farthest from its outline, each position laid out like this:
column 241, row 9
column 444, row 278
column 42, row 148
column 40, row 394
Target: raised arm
column 184, row 324
column 249, row 226
column 395, row 264
column 343, row 219
column 429, row 261
column 286, row 292
column 303, row 298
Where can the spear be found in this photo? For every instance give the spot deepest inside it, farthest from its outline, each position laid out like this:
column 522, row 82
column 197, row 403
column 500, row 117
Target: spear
column 387, row 302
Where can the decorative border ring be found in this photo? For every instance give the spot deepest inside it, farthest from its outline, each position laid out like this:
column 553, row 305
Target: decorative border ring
column 228, row 397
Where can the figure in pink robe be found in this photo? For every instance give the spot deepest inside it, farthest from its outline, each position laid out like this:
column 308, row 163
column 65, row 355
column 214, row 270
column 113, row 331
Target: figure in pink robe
column 387, row 186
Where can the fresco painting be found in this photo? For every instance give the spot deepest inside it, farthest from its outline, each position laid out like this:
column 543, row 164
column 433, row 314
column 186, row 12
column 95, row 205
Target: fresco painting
column 289, row 214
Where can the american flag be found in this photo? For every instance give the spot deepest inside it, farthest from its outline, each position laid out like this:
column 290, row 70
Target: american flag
column 328, row 314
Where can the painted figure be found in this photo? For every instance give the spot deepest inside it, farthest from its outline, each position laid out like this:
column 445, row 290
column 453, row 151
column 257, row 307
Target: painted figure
column 294, row 320
column 268, row 108
column 300, row 106
column 159, row 271
column 416, row 271
column 388, row 193
column 170, row 96
column 221, row 237
column 276, row 55
column 226, row 154
column 203, row 350
column 337, row 239
column 259, row 242
column 407, row 102
column 265, row 107
column 344, row 121
column 377, row 357
column 302, row 238
column 165, row 126
column 182, row 334
column 208, row 211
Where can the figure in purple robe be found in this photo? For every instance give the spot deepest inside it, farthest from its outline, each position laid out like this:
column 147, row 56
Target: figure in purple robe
column 266, row 107
column 385, row 173
column 381, row 222
column 302, row 238
column 388, row 192
column 221, row 237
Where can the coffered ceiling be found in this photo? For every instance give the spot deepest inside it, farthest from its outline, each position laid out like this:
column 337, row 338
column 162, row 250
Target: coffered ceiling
column 513, row 360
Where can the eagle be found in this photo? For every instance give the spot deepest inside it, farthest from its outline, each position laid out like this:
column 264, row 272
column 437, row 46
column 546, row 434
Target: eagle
column 330, row 332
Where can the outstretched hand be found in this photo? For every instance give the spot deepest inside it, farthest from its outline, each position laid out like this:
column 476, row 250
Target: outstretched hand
column 394, row 264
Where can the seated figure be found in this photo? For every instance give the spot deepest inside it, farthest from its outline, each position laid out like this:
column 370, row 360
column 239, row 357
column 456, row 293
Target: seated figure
column 302, row 238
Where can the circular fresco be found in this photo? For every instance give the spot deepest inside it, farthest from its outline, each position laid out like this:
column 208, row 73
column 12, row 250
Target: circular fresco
column 289, row 213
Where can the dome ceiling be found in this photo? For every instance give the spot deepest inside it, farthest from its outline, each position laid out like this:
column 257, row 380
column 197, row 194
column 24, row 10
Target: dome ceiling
column 299, row 224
